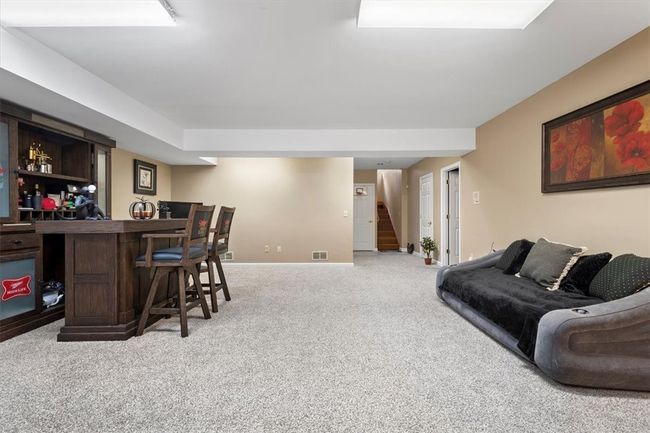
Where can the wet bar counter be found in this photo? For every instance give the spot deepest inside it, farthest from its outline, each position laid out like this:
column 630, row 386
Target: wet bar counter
column 104, row 292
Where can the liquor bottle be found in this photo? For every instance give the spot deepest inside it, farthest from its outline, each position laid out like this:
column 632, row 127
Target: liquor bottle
column 38, row 199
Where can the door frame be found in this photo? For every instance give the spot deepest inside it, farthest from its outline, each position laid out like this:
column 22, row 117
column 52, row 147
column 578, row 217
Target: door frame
column 444, row 223
column 368, row 186
column 427, row 175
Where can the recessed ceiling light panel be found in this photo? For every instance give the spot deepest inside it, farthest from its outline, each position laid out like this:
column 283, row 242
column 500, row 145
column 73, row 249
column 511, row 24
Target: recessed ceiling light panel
column 450, row 14
column 86, row 13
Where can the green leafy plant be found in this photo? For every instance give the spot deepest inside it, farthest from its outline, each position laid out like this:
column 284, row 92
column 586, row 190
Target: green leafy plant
column 429, row 246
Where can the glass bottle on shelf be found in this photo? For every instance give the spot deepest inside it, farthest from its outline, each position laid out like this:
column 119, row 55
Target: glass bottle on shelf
column 38, row 199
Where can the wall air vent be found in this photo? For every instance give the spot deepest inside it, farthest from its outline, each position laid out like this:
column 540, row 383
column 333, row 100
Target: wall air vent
column 319, row 256
column 227, row 256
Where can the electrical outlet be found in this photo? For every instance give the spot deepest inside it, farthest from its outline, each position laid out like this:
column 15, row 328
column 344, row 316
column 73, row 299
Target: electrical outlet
column 267, row 249
column 345, row 213
column 279, row 248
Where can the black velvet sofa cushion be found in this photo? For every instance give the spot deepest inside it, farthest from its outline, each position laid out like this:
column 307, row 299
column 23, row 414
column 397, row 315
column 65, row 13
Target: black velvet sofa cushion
column 515, row 304
column 514, row 256
column 577, row 280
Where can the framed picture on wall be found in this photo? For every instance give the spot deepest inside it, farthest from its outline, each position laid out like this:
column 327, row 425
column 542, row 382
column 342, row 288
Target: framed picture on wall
column 144, row 177
column 605, row 144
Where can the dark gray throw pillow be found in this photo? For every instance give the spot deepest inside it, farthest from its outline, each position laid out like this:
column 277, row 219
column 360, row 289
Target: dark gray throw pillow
column 583, row 272
column 547, row 262
column 623, row 276
column 514, row 256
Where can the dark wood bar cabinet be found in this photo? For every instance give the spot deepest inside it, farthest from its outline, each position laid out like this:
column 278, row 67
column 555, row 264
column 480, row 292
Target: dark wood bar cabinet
column 105, row 293
column 76, row 157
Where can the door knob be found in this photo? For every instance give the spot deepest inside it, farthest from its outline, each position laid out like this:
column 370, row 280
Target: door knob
column 429, row 223
column 370, row 221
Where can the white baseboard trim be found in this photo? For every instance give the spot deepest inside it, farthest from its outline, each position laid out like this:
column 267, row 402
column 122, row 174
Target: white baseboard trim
column 404, row 250
column 287, row 263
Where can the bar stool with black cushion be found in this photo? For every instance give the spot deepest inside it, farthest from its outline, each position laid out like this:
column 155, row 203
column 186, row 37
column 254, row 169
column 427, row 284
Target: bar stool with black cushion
column 218, row 247
column 184, row 260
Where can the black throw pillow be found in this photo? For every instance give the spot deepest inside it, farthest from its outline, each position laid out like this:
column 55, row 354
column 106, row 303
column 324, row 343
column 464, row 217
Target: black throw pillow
column 577, row 280
column 623, row 276
column 514, row 256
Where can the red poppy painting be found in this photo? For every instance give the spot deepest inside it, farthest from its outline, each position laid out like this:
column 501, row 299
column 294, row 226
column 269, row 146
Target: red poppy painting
column 604, row 144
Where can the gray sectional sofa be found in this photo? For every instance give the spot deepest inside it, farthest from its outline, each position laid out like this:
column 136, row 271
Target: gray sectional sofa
column 605, row 345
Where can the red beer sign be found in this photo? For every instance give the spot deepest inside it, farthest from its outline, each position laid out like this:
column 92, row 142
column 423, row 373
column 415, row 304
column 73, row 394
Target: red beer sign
column 13, row 288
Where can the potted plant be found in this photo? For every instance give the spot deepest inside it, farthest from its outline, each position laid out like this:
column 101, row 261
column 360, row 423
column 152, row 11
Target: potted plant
column 428, row 246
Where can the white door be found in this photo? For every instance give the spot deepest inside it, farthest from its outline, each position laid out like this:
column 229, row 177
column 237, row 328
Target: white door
column 426, row 206
column 364, row 217
column 454, row 220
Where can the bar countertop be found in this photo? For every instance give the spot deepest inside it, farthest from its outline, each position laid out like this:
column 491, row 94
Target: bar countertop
column 108, row 226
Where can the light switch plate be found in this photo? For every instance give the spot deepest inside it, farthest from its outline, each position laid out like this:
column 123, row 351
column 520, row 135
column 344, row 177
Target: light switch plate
column 476, row 197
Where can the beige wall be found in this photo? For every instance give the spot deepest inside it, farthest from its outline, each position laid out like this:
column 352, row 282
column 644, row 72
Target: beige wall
column 506, row 169
column 391, row 186
column 296, row 203
column 413, row 174
column 365, row 176
column 122, row 182
column 380, row 187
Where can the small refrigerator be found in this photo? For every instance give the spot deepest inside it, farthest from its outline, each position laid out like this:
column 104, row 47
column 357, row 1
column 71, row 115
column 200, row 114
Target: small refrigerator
column 17, row 285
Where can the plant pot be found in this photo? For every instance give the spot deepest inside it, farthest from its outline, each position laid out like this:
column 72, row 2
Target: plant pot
column 428, row 260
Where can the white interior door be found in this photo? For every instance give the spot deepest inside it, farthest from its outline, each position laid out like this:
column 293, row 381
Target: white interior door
column 364, row 218
column 454, row 219
column 426, row 206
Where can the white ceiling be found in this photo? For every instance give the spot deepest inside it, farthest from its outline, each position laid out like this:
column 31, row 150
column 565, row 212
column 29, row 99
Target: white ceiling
column 299, row 64
column 384, row 163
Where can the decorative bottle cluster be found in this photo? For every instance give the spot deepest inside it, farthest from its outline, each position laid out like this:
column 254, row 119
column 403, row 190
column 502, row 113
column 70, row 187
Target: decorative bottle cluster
column 37, row 159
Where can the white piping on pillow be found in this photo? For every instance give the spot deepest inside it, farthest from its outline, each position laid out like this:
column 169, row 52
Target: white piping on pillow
column 568, row 266
column 564, row 273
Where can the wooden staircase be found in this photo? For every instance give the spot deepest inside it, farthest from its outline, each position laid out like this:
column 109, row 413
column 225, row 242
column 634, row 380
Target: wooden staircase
column 386, row 239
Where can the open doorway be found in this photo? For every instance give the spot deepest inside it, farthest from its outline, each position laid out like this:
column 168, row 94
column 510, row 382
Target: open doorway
column 390, row 193
column 450, row 214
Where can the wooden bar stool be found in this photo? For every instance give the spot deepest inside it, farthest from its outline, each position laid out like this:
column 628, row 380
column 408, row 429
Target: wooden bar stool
column 184, row 260
column 218, row 246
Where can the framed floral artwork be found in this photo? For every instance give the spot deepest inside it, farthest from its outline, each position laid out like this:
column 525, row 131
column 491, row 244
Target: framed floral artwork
column 605, row 144
column 144, row 177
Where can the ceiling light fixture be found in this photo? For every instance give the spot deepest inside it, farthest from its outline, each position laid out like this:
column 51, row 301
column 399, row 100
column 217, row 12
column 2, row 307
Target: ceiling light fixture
column 86, row 13
column 450, row 14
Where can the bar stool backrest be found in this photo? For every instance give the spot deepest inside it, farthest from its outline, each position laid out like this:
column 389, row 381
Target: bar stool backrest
column 222, row 229
column 198, row 226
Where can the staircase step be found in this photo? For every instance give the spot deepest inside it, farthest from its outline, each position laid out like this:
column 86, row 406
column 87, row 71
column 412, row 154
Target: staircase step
column 386, row 238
